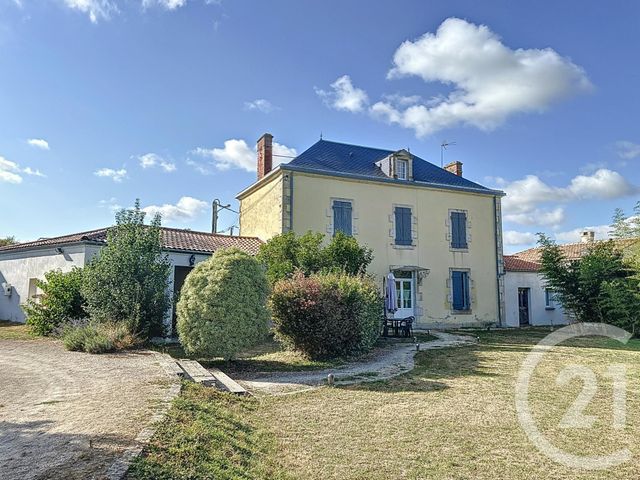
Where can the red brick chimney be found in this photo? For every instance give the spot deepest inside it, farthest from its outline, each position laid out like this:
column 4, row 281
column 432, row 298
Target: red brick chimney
column 454, row 167
column 265, row 155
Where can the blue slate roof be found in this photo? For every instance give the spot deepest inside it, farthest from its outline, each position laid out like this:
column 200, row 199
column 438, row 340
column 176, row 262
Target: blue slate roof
column 342, row 158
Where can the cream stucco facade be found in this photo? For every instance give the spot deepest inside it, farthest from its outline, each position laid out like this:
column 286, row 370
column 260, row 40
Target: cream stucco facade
column 290, row 199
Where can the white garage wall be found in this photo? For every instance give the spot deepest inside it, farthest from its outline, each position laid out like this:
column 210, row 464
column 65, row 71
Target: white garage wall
column 538, row 313
column 16, row 268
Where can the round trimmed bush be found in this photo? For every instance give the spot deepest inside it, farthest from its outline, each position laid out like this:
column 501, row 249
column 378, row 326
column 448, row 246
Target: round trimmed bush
column 327, row 315
column 222, row 307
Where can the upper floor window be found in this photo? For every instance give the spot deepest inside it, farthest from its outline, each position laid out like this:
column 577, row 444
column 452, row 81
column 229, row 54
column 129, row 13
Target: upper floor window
column 460, row 298
column 403, row 225
column 401, row 169
column 458, row 230
column 549, row 300
column 342, row 218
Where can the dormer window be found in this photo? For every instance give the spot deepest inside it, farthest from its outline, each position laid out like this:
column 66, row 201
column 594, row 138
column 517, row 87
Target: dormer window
column 402, row 166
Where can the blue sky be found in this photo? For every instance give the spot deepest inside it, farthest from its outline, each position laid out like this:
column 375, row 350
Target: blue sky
column 104, row 101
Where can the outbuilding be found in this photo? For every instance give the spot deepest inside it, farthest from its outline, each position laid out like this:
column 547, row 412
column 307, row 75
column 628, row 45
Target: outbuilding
column 22, row 264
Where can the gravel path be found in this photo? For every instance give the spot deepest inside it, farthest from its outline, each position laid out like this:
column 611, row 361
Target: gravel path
column 69, row 415
column 392, row 360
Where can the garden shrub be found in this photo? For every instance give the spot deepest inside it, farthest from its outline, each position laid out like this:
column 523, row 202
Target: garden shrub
column 128, row 281
column 222, row 307
column 61, row 301
column 327, row 315
column 94, row 337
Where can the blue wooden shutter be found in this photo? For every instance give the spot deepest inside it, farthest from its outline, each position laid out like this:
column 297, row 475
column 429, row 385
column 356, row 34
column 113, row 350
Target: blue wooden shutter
column 458, row 230
column 403, row 225
column 342, row 217
column 460, row 290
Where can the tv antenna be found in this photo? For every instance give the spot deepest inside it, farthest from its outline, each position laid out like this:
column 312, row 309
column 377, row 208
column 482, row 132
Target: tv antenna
column 443, row 147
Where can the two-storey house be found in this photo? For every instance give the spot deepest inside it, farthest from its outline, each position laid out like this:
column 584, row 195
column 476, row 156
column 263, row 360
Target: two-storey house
column 439, row 233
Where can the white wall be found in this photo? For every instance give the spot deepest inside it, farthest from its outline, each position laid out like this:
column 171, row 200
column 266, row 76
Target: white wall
column 16, row 268
column 538, row 313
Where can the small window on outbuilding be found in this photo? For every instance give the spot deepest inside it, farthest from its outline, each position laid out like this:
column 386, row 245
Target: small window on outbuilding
column 549, row 299
column 342, row 217
column 403, row 225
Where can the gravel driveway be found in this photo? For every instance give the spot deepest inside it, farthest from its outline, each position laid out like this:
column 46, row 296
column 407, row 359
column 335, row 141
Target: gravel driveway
column 69, row 415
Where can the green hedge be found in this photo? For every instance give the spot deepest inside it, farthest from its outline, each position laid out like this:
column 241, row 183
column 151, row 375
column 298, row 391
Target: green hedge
column 327, row 315
column 222, row 307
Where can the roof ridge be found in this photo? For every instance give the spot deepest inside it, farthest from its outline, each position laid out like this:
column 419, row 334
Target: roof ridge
column 386, row 150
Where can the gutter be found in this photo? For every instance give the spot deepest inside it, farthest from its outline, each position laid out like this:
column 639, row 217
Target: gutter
column 495, row 233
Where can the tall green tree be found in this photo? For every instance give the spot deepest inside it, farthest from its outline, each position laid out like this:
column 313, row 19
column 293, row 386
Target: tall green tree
column 620, row 227
column 287, row 253
column 128, row 281
column 579, row 284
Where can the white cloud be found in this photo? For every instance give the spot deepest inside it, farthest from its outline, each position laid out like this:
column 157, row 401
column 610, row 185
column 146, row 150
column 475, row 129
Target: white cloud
column 237, row 154
column 31, row 171
column 344, row 96
column 115, row 175
column 572, row 236
column 512, row 238
column 490, row 80
column 261, row 104
column 112, row 204
column 10, row 172
column 538, row 217
column 38, row 143
column 166, row 4
column 18, row 3
column 186, row 209
column 96, row 9
column 525, row 196
column 149, row 160
column 627, row 150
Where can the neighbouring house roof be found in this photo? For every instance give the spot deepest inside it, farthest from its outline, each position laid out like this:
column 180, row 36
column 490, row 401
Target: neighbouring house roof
column 172, row 239
column 572, row 251
column 515, row 264
column 342, row 159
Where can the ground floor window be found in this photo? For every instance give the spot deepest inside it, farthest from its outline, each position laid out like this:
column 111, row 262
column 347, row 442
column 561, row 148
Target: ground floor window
column 34, row 291
column 549, row 299
column 460, row 298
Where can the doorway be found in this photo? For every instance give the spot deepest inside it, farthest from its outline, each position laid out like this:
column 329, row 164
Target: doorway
column 179, row 276
column 523, row 306
column 404, row 294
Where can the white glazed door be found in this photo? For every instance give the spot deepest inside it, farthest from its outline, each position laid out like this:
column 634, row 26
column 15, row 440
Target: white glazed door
column 404, row 293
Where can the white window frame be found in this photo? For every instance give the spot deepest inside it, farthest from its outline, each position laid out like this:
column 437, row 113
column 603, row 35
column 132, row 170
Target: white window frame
column 549, row 299
column 402, row 166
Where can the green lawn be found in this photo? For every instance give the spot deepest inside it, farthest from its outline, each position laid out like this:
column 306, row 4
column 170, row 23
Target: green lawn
column 453, row 416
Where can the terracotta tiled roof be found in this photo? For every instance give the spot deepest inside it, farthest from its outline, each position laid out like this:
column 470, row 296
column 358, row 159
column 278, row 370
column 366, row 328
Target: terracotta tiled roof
column 572, row 251
column 172, row 239
column 515, row 264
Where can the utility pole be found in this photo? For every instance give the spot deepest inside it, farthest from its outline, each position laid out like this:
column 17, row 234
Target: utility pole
column 216, row 206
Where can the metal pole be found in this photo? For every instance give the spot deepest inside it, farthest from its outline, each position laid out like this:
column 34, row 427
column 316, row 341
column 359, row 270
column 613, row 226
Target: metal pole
column 214, row 216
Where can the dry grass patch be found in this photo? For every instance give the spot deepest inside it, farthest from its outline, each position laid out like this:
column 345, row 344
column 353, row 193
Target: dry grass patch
column 15, row 331
column 454, row 417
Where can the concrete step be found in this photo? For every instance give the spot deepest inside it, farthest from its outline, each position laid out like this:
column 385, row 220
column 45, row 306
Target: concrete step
column 197, row 372
column 228, row 383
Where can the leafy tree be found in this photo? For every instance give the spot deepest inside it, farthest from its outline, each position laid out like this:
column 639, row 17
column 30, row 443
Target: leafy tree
column 60, row 302
column 9, row 240
column 578, row 284
column 287, row 253
column 222, row 307
column 128, row 281
column 620, row 227
column 620, row 301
